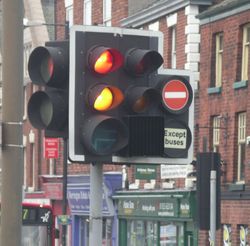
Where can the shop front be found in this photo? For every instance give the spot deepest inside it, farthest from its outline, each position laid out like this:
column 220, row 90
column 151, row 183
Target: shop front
column 159, row 218
column 78, row 191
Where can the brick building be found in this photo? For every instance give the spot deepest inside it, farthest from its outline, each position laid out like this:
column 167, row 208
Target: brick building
column 222, row 123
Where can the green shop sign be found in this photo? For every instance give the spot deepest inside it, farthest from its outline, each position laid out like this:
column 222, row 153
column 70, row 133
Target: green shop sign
column 156, row 206
column 145, row 172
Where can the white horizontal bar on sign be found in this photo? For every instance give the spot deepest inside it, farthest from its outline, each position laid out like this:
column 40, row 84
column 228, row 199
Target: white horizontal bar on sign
column 175, row 94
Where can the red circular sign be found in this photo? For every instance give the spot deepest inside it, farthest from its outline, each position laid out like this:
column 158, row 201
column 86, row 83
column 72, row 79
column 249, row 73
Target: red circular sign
column 175, row 95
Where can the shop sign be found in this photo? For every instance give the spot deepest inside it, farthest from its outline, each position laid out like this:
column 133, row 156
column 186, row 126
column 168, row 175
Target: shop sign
column 185, row 208
column 173, row 171
column 146, row 172
column 79, row 197
column 148, row 207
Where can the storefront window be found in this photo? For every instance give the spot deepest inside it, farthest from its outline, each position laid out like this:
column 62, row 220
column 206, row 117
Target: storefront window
column 171, row 234
column 142, row 233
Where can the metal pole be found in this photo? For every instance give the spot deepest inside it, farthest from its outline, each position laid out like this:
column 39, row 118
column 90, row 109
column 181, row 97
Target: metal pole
column 213, row 208
column 95, row 216
column 12, row 114
column 64, row 202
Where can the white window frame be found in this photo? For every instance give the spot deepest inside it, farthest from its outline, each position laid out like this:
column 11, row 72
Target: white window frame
column 241, row 142
column 70, row 15
column 218, row 59
column 216, row 133
column 245, row 51
column 173, row 47
column 87, row 12
column 107, row 12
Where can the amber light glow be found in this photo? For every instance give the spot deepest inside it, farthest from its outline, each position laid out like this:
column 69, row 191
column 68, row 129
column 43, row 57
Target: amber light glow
column 104, row 63
column 104, row 100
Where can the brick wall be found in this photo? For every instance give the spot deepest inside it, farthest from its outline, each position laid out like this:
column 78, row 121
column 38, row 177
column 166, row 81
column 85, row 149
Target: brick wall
column 227, row 103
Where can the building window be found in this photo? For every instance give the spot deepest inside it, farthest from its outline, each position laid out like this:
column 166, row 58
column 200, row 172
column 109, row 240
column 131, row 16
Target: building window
column 107, row 12
column 216, row 133
column 241, row 146
column 87, row 12
column 245, row 52
column 69, row 12
column 173, row 47
column 218, row 59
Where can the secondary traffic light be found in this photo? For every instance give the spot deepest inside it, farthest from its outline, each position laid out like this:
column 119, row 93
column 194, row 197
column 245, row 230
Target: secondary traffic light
column 48, row 67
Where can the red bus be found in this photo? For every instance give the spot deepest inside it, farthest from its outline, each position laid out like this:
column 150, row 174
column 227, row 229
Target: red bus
column 38, row 225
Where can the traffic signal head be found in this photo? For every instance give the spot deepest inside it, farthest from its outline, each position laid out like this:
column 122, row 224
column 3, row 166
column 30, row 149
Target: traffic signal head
column 48, row 109
column 116, row 106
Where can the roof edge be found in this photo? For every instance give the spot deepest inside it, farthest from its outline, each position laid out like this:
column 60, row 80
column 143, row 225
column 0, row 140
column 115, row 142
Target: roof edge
column 158, row 10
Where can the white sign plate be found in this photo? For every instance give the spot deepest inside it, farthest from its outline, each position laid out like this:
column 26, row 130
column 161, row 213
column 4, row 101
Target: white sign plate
column 173, row 171
column 175, row 138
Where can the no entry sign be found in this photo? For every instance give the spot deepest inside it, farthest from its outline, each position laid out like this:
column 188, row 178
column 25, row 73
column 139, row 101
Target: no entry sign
column 176, row 96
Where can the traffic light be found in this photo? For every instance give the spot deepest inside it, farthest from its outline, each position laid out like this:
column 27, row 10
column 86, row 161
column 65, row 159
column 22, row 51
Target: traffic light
column 48, row 68
column 116, row 110
column 207, row 161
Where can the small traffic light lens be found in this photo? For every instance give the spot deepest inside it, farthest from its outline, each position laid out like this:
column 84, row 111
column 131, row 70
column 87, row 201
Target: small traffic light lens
column 104, row 101
column 47, row 68
column 104, row 63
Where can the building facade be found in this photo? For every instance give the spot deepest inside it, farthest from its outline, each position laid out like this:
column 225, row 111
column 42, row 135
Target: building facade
column 222, row 123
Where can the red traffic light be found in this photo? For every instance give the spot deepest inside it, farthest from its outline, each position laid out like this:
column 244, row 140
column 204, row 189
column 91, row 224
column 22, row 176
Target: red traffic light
column 140, row 62
column 102, row 97
column 103, row 60
column 48, row 66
